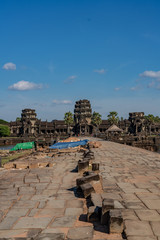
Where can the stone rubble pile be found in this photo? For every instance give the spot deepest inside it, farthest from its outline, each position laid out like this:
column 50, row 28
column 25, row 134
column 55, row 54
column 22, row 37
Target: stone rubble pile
column 102, row 210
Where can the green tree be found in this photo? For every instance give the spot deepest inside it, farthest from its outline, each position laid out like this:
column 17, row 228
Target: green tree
column 157, row 119
column 3, row 122
column 68, row 118
column 18, row 119
column 96, row 120
column 4, row 131
column 150, row 120
column 113, row 117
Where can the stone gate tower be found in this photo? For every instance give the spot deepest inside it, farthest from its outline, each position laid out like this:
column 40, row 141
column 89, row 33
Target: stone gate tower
column 28, row 118
column 82, row 117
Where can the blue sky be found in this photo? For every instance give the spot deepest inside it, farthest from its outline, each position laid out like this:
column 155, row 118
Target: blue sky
column 53, row 53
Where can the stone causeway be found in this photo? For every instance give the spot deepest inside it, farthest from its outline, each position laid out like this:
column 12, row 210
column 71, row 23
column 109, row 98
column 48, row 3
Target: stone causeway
column 43, row 203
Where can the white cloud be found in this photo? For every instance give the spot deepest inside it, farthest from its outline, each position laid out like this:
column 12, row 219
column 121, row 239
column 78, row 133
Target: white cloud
column 133, row 88
column 9, row 66
column 100, row 71
column 55, row 101
column 70, row 79
column 24, row 86
column 117, row 89
column 150, row 74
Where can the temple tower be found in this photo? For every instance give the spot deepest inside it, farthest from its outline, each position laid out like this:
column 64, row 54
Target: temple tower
column 82, row 117
column 28, row 118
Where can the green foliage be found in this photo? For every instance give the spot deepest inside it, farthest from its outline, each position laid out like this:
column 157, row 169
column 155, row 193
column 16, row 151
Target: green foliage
column 96, row 119
column 152, row 119
column 113, row 117
column 18, row 119
column 68, row 118
column 4, row 131
column 3, row 122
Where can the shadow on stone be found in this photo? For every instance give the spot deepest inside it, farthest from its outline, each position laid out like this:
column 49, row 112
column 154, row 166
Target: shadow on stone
column 74, row 170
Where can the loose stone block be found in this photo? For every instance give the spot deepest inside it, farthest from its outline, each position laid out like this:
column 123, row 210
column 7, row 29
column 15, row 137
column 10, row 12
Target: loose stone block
column 115, row 221
column 89, row 178
column 93, row 214
column 21, row 165
column 9, row 165
column 107, row 204
column 87, row 189
column 96, row 199
column 83, row 165
column 95, row 166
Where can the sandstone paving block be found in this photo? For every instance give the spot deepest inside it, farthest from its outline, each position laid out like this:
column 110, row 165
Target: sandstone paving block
column 49, row 192
column 148, row 215
column 138, row 228
column 147, row 196
column 156, row 228
column 31, row 180
column 8, row 222
column 17, row 213
column 33, row 212
column 32, row 222
column 26, row 204
column 152, row 204
column 66, row 196
column 41, row 197
column 130, row 197
column 74, row 203
column 17, row 234
column 53, row 212
column 129, row 214
column 141, row 238
column 134, row 205
column 73, row 211
column 118, row 204
column 55, row 203
column 51, row 236
column 62, row 222
column 80, row 233
column 113, row 195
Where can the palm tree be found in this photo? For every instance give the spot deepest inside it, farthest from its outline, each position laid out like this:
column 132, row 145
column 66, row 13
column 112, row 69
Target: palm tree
column 96, row 120
column 68, row 118
column 113, row 117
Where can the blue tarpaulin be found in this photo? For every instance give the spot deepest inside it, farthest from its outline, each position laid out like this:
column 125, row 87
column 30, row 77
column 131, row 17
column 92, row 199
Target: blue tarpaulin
column 62, row 145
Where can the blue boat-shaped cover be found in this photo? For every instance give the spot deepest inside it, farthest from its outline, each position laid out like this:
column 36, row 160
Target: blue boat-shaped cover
column 62, row 145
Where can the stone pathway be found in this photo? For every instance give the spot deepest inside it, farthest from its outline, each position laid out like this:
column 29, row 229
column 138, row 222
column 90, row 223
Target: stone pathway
column 132, row 176
column 41, row 204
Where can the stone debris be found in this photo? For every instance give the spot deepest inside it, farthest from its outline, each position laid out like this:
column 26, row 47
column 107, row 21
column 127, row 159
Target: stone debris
column 83, row 165
column 116, row 224
column 87, row 189
column 94, row 144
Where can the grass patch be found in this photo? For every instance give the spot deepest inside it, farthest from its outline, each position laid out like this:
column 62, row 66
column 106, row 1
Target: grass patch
column 14, row 156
